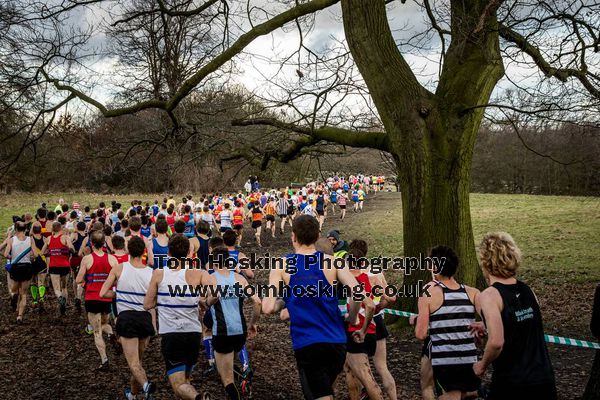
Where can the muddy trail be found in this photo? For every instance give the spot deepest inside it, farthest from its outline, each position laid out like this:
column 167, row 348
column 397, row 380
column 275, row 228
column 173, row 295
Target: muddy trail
column 51, row 357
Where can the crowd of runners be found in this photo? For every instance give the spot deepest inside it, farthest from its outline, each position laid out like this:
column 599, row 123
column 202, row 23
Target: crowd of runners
column 121, row 263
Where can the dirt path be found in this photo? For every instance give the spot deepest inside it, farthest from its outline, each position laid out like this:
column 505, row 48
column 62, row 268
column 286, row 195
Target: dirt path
column 50, row 357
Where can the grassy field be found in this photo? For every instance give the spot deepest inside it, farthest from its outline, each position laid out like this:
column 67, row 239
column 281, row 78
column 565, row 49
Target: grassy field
column 559, row 236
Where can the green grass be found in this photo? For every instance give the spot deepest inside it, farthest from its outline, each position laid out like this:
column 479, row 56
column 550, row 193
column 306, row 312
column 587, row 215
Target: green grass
column 559, row 236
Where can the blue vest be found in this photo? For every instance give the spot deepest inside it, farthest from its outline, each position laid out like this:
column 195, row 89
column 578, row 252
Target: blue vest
column 313, row 319
column 228, row 312
column 157, row 249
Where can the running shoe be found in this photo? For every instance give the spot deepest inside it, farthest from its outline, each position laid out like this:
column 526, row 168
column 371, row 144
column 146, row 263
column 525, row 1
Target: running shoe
column 89, row 330
column 128, row 394
column 149, row 392
column 62, row 305
column 203, row 396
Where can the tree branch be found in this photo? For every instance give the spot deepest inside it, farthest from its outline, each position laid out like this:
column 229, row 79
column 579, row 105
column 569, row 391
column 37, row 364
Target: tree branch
column 562, row 74
column 346, row 137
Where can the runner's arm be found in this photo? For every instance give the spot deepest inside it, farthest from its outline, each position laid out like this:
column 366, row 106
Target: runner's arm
column 106, row 290
column 272, row 304
column 422, row 324
column 490, row 307
column 150, row 298
column 7, row 249
column 82, row 270
column 345, row 277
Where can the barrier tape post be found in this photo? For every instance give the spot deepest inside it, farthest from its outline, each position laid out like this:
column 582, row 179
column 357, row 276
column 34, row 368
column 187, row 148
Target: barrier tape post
column 549, row 338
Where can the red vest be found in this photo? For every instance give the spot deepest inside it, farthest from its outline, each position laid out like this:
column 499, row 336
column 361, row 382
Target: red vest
column 96, row 276
column 363, row 279
column 59, row 253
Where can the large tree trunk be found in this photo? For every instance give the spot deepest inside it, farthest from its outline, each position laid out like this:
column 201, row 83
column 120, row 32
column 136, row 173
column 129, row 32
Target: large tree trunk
column 430, row 135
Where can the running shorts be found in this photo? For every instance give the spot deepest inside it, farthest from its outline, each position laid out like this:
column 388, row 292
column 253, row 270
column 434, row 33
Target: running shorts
column 270, row 218
column 62, row 271
column 321, row 212
column 368, row 346
column 460, row 377
column 238, row 227
column 283, row 216
column 21, row 272
column 226, row 344
column 98, row 307
column 225, row 229
column 180, row 351
column 256, row 224
column 508, row 391
column 134, row 324
column 382, row 331
column 38, row 265
column 319, row 365
column 342, row 206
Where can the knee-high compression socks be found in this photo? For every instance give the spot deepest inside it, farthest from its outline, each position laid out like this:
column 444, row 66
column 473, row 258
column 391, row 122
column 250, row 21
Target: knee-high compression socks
column 34, row 292
column 210, row 353
column 42, row 292
column 232, row 392
column 244, row 358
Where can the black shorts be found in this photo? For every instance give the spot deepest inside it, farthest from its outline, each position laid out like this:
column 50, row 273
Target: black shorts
column 225, row 229
column 62, row 271
column 256, row 224
column 98, row 307
column 343, row 206
column 270, row 218
column 382, row 331
column 283, row 216
column 508, row 391
column 426, row 349
column 321, row 212
column 207, row 319
column 238, row 227
column 319, row 365
column 227, row 344
column 134, row 324
column 38, row 265
column 450, row 378
column 21, row 272
column 368, row 346
column 180, row 351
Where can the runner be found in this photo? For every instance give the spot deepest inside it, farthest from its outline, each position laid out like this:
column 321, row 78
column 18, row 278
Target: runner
column 134, row 324
column 224, row 218
column 320, row 208
column 342, row 199
column 515, row 347
column 317, row 330
column 19, row 250
column 382, row 301
column 160, row 244
column 448, row 311
column 179, row 324
column 229, row 329
column 94, row 271
column 78, row 237
column 357, row 367
column 257, row 216
column 282, row 211
column 39, row 267
column 270, row 211
column 59, row 266
column 333, row 195
column 238, row 221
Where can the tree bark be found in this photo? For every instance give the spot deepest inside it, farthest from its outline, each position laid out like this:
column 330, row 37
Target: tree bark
column 430, row 135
